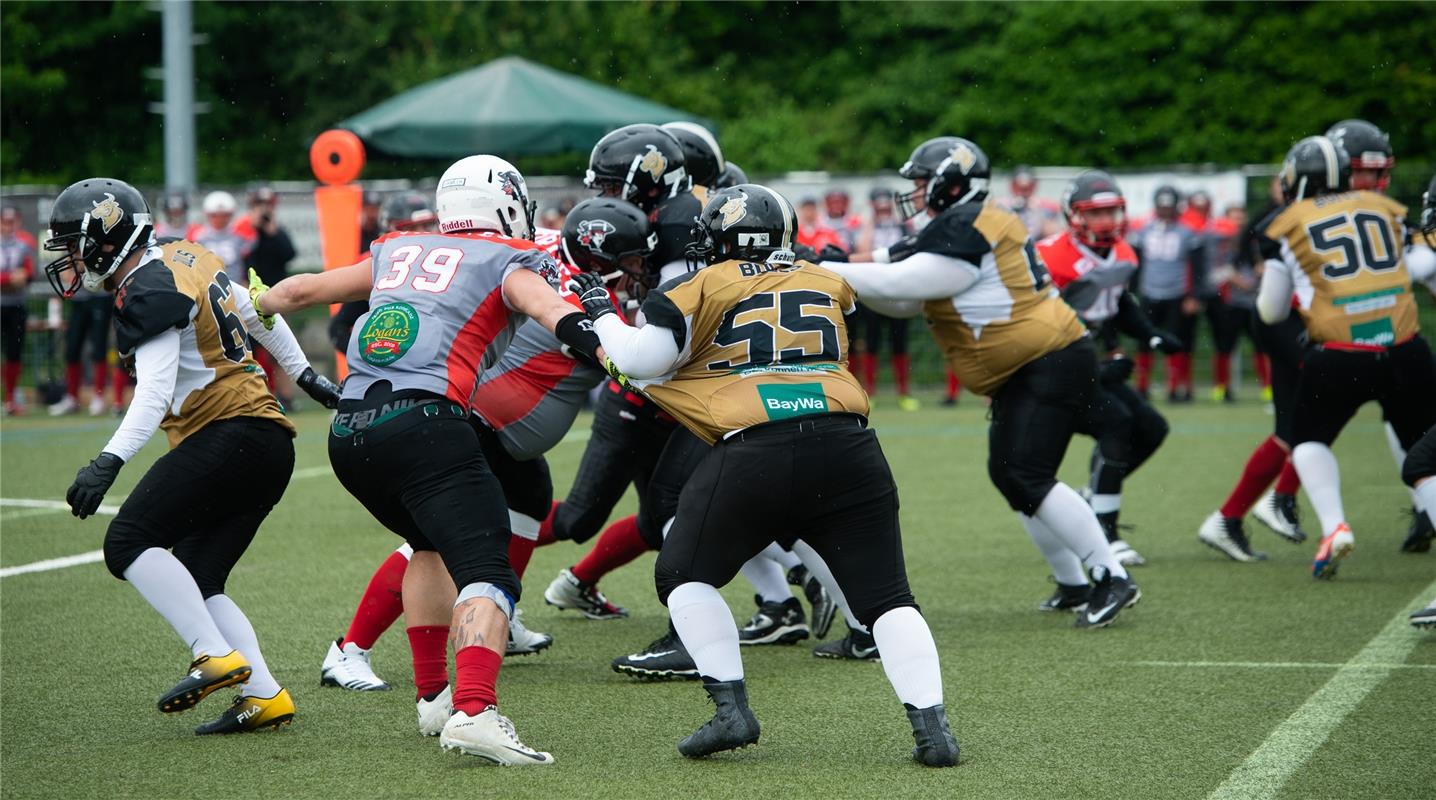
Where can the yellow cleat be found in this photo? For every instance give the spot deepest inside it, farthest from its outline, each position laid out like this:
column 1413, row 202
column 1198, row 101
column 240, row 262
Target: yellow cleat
column 206, row 674
column 1266, row 394
column 248, row 714
column 1219, row 394
column 908, row 403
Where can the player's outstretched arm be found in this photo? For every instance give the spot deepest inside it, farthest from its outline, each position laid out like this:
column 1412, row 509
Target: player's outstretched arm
column 296, row 292
column 278, row 339
column 640, row 353
column 528, row 293
column 920, row 276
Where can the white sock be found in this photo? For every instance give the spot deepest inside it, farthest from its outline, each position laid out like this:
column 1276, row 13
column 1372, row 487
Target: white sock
column 236, row 628
column 1398, row 454
column 1106, row 503
column 909, row 657
column 705, row 624
column 769, row 579
column 1427, row 491
column 1075, row 523
column 523, row 526
column 169, row 588
column 786, row 558
column 819, row 568
column 1321, row 478
column 1066, row 566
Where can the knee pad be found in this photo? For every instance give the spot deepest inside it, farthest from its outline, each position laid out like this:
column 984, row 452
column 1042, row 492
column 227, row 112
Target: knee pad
column 1023, row 492
column 489, row 591
column 667, row 578
column 121, row 548
column 869, row 616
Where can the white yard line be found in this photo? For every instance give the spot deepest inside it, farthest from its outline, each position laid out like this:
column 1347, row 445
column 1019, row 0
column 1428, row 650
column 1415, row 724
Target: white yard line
column 1273, row 665
column 1297, row 739
column 35, row 507
column 54, row 563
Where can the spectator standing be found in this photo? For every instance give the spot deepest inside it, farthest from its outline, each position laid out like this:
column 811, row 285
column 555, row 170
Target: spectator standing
column 1042, row 218
column 883, row 230
column 270, row 257
column 1171, row 277
column 1230, row 311
column 174, row 216
column 89, row 325
column 837, row 216
column 812, row 231
column 369, row 227
column 17, row 267
column 219, row 234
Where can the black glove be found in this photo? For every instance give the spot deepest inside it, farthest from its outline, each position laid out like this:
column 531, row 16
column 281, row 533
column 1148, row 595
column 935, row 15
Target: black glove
column 91, row 483
column 592, row 294
column 1166, row 342
column 1115, row 371
column 832, row 252
column 323, row 390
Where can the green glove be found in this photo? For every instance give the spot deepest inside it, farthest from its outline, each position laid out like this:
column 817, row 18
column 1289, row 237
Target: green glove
column 615, row 373
column 257, row 288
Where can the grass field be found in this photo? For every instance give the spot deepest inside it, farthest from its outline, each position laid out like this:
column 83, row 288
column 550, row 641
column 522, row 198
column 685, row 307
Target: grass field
column 1218, row 659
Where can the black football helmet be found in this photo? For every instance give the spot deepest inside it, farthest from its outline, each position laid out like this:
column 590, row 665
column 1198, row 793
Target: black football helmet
column 748, row 222
column 1314, row 166
column 702, row 157
column 641, row 163
column 408, row 211
column 732, row 175
column 600, row 233
column 1428, row 214
column 1368, row 148
column 1089, row 191
column 956, row 171
column 95, row 224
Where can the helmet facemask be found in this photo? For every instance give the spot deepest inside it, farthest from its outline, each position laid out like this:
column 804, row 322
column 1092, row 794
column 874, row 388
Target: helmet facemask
column 1101, row 231
column 84, row 257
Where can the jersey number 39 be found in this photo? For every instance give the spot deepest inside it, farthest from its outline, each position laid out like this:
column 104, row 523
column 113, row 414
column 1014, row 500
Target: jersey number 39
column 434, row 274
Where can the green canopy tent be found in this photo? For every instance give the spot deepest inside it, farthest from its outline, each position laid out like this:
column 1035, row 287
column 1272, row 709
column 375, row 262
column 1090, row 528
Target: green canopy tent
column 508, row 106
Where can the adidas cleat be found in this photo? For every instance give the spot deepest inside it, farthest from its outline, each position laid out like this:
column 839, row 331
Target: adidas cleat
column 1226, row 534
column 1334, row 547
column 733, row 725
column 248, row 714
column 1420, row 534
column 348, row 667
column 567, row 591
column 434, row 712
column 490, row 736
column 207, row 674
column 858, row 645
column 664, row 659
column 1067, row 598
column 1110, row 595
column 824, row 608
column 934, row 742
column 775, row 623
column 1278, row 512
column 523, row 641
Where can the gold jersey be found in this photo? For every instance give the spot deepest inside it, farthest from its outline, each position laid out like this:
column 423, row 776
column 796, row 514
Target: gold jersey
column 758, row 342
column 1012, row 315
column 1346, row 253
column 182, row 285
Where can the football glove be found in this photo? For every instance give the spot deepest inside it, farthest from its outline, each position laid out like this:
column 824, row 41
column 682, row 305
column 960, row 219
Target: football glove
column 1166, row 342
column 832, row 252
column 323, row 390
column 256, row 289
column 91, row 483
column 592, row 294
column 615, row 373
column 1115, row 371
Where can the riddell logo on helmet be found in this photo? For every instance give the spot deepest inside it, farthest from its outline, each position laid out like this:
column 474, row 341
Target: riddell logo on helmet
column 465, row 224
column 108, row 212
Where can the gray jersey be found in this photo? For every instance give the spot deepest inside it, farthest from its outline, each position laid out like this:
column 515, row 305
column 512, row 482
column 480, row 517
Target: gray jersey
column 17, row 257
column 437, row 316
column 1166, row 250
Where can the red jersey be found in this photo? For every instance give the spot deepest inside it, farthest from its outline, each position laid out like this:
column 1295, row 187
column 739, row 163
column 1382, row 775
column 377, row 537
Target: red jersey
column 819, row 236
column 1090, row 283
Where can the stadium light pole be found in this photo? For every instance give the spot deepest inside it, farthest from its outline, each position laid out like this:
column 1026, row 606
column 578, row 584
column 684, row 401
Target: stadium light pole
column 179, row 110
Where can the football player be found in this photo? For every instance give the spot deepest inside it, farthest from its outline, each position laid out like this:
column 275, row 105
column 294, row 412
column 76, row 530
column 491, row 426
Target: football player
column 404, row 211
column 185, row 328
column 1419, row 470
column 1092, row 264
column 1172, row 267
column 1341, row 254
column 441, row 305
column 1007, row 334
column 749, row 354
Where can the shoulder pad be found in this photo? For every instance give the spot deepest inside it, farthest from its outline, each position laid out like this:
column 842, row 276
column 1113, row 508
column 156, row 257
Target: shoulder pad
column 147, row 305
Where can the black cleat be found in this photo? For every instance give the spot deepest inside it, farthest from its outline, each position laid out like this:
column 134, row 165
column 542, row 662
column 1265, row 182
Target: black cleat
column 1426, row 617
column 664, row 659
column 936, row 746
column 248, row 714
column 856, row 646
column 1067, row 598
column 1420, row 534
column 775, row 623
column 733, row 724
column 1110, row 595
column 823, row 606
column 207, row 674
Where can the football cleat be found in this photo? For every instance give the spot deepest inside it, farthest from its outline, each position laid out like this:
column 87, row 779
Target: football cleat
column 1278, row 512
column 1226, row 534
column 1426, row 617
column 1110, row 595
column 1067, row 598
column 348, row 667
column 66, row 405
column 1127, row 555
column 434, row 713
column 567, row 591
column 823, row 606
column 523, row 641
column 909, row 403
column 1334, row 547
column 664, row 659
column 98, row 406
column 858, row 645
column 490, row 736
column 247, row 714
column 934, row 743
column 733, row 724
column 775, row 623
column 1420, row 534
column 207, row 674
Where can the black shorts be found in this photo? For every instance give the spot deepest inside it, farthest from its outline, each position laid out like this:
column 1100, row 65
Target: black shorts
column 1034, row 415
column 423, row 475
column 12, row 332
column 89, row 323
column 528, row 486
column 1127, row 428
column 1335, row 383
column 1229, row 324
column 680, row 459
column 205, row 499
column 822, row 479
column 1285, row 346
column 1167, row 315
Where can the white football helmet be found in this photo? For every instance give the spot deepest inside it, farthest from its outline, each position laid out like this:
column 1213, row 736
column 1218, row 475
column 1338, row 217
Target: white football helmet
column 219, row 203
column 485, row 193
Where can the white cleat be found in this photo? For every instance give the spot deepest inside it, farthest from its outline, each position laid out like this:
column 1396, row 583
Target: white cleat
column 349, row 668
column 1281, row 522
column 523, row 641
column 1227, row 535
column 490, row 736
column 1126, row 555
column 66, row 405
column 567, row 591
column 434, row 714
column 98, row 406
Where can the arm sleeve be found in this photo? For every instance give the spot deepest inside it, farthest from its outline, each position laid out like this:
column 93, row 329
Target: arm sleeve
column 640, row 353
column 899, row 309
column 1132, row 320
column 1421, row 264
column 156, row 367
column 1274, row 297
column 279, row 340
column 921, row 276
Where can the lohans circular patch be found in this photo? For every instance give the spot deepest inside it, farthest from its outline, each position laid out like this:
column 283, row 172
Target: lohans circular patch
column 388, row 334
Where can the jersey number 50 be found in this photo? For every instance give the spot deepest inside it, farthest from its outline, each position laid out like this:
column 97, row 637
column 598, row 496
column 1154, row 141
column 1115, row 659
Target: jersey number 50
column 762, row 336
column 1364, row 242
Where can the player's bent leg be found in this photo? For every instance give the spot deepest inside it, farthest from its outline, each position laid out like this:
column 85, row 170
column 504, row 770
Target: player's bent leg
column 348, row 664
column 1321, row 476
column 706, row 627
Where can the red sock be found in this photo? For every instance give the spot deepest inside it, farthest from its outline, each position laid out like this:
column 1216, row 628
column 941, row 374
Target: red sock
column 119, row 386
column 870, row 372
column 1288, row 482
column 954, row 388
column 1144, row 372
column 11, row 378
column 1262, row 366
column 266, row 363
column 100, row 372
column 429, row 645
column 546, row 534
column 381, row 604
column 1261, row 469
column 476, row 673
column 1222, row 369
column 520, row 551
column 902, row 367
column 617, row 545
column 1174, row 371
column 72, row 380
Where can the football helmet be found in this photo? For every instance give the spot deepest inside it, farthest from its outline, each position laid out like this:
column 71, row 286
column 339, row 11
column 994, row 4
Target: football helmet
column 601, row 233
column 732, row 175
column 1314, row 166
column 1369, row 150
column 640, row 163
column 1090, row 191
column 702, row 157
column 1165, row 201
column 95, row 225
column 955, row 171
column 407, row 211
column 220, row 202
column 485, row 193
column 748, row 222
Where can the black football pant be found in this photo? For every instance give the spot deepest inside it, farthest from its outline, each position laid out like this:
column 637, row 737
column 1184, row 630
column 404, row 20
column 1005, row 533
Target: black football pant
column 822, row 479
column 12, row 333
column 1128, row 431
column 679, row 460
column 205, row 499
column 1167, row 315
column 1335, row 383
column 527, row 485
column 1285, row 346
column 1421, row 463
column 89, row 323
